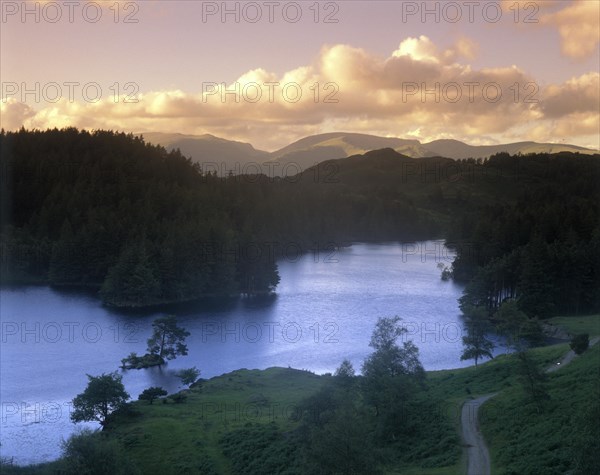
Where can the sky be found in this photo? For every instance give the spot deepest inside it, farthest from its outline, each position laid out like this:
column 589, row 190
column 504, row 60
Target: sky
column 272, row 72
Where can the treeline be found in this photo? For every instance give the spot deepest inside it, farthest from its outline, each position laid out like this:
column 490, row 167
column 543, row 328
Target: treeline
column 542, row 248
column 109, row 210
column 148, row 226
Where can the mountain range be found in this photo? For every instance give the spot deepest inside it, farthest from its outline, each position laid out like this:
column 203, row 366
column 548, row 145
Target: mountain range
column 222, row 155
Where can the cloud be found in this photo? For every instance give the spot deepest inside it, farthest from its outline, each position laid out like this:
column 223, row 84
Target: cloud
column 579, row 27
column 578, row 95
column 418, row 90
column 577, row 22
column 419, row 49
column 13, row 114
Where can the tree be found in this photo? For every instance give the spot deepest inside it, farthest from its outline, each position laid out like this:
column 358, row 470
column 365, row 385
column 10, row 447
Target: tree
column 392, row 376
column 476, row 345
column 151, row 394
column 167, row 340
column 537, row 287
column 103, row 395
column 532, row 380
column 188, row 376
column 132, row 280
column 580, row 343
column 345, row 375
column 515, row 325
column 319, row 407
column 345, row 370
column 389, row 358
column 341, row 445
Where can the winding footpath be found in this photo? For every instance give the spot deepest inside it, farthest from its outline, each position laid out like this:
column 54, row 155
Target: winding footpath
column 478, row 457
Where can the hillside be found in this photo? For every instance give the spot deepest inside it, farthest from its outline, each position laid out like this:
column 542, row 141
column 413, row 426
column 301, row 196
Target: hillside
column 311, row 150
column 212, row 153
column 225, row 155
column 456, row 149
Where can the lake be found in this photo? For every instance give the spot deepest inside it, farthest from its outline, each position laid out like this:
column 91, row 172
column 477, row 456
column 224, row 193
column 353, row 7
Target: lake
column 325, row 309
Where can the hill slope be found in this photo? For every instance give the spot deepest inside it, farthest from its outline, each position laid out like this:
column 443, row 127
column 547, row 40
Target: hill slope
column 457, row 150
column 212, row 153
column 221, row 155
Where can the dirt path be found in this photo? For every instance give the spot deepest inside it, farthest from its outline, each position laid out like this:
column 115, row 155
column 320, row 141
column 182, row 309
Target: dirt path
column 478, row 457
column 569, row 357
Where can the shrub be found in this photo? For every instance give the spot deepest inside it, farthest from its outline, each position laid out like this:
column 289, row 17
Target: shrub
column 580, row 343
column 179, row 398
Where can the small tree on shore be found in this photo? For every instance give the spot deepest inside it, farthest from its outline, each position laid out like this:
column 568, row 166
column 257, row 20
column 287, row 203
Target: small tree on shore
column 103, row 395
column 476, row 345
column 167, row 340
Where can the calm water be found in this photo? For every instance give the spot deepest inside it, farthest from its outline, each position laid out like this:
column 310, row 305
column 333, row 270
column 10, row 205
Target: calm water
column 325, row 309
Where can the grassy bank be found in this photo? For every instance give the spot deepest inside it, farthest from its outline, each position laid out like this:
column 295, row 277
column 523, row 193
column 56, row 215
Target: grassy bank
column 589, row 324
column 188, row 437
column 244, row 421
column 559, row 435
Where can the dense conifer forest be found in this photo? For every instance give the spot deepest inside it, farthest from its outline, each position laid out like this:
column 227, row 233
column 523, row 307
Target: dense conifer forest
column 146, row 226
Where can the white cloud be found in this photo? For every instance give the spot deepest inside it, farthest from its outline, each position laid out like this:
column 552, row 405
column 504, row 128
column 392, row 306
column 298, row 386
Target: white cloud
column 579, row 27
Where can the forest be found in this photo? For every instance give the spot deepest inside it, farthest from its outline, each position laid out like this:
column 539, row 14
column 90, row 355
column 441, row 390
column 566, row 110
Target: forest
column 145, row 226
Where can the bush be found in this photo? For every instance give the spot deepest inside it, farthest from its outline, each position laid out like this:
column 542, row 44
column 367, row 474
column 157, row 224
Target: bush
column 94, row 453
column 179, row 398
column 580, row 343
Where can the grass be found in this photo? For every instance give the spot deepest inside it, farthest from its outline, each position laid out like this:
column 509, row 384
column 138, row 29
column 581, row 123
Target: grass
column 185, row 438
column 189, row 437
column 589, row 324
column 523, row 440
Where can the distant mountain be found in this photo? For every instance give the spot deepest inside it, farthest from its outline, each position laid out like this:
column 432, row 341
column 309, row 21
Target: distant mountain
column 457, row 150
column 317, row 148
column 222, row 155
column 212, row 153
